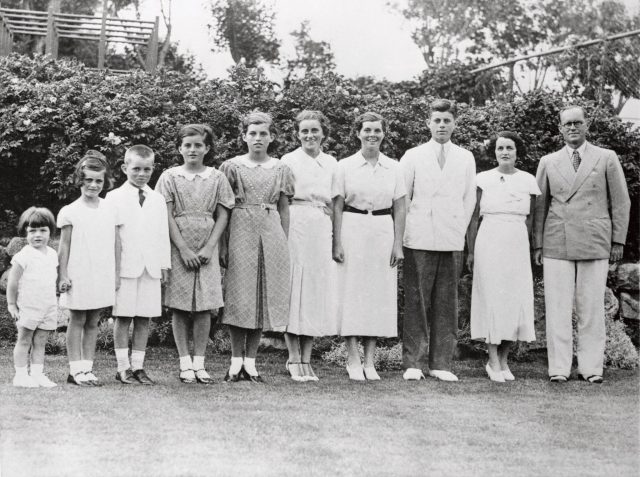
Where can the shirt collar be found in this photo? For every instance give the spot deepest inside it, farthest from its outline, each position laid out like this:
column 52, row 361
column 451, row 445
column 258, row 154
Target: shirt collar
column 192, row 175
column 269, row 164
column 134, row 190
column 320, row 160
column 382, row 161
column 580, row 150
column 435, row 145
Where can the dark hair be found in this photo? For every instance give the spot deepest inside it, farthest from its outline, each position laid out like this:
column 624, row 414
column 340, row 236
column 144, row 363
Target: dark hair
column 93, row 161
column 203, row 130
column 368, row 116
column 314, row 115
column 257, row 117
column 444, row 106
column 139, row 150
column 521, row 149
column 36, row 217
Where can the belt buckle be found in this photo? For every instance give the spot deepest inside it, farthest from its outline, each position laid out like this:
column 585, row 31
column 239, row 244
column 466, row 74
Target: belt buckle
column 263, row 206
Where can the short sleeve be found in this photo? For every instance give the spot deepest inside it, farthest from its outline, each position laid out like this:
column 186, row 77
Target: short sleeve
column 481, row 180
column 20, row 258
column 337, row 182
column 224, row 196
column 533, row 185
column 64, row 217
column 400, row 189
column 287, row 182
column 165, row 186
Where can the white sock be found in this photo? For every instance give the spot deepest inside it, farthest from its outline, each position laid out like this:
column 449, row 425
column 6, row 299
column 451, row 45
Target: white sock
column 198, row 362
column 75, row 367
column 36, row 369
column 122, row 357
column 185, row 363
column 236, row 365
column 87, row 365
column 137, row 359
column 21, row 371
column 250, row 366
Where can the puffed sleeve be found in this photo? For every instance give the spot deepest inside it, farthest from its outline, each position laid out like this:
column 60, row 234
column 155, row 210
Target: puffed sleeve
column 400, row 189
column 65, row 217
column 337, row 182
column 165, row 186
column 533, row 185
column 224, row 193
column 287, row 182
column 481, row 180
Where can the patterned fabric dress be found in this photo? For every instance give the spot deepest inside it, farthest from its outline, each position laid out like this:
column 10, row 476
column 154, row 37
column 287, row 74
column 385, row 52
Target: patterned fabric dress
column 194, row 198
column 257, row 280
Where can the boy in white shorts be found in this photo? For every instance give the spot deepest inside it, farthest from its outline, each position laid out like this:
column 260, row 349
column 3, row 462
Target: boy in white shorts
column 143, row 256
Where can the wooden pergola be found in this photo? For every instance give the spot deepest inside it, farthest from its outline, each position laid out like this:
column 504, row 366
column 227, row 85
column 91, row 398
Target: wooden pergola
column 54, row 25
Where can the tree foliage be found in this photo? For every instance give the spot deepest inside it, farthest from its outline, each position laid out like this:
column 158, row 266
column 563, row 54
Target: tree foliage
column 246, row 29
column 311, row 56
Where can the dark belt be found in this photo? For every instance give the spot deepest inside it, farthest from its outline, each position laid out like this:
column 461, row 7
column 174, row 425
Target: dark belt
column 348, row 208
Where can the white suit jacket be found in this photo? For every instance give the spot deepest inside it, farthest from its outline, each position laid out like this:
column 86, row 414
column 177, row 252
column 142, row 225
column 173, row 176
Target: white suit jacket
column 440, row 202
column 144, row 231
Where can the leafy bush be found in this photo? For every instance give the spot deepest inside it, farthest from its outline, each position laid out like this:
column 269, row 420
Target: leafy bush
column 386, row 358
column 619, row 351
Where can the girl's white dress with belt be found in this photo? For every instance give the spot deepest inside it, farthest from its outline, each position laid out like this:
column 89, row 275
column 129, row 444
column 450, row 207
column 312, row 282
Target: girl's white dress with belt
column 502, row 293
column 313, row 304
column 367, row 284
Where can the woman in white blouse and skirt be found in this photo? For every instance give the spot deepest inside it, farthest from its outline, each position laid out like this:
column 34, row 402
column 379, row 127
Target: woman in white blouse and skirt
column 502, row 293
column 368, row 225
column 312, row 304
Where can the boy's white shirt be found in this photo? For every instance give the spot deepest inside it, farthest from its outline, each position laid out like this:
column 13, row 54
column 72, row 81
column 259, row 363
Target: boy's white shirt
column 144, row 231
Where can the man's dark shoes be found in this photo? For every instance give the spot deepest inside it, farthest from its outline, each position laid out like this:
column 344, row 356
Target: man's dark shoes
column 125, row 377
column 247, row 377
column 142, row 377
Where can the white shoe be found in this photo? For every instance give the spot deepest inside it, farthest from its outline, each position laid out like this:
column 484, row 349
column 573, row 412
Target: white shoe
column 413, row 374
column 494, row 375
column 43, row 381
column 371, row 374
column 356, row 373
column 507, row 375
column 443, row 375
column 24, row 381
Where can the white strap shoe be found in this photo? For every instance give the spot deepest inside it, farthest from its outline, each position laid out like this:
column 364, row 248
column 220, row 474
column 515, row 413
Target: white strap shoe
column 413, row 374
column 443, row 375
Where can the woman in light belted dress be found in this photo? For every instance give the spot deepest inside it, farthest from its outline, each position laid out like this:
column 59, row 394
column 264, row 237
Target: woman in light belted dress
column 255, row 251
column 502, row 293
column 369, row 215
column 312, row 305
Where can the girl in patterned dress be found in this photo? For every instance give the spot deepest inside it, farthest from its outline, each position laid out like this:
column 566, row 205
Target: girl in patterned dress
column 198, row 202
column 257, row 256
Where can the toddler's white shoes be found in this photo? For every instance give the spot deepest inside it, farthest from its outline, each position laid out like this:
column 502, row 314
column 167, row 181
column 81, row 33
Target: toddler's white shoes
column 43, row 381
column 24, row 381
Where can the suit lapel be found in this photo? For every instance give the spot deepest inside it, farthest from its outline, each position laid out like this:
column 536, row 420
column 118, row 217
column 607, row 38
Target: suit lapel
column 433, row 168
column 587, row 164
column 564, row 167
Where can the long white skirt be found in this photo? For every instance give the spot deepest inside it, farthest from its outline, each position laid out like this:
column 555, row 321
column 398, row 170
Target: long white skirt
column 367, row 285
column 313, row 302
column 502, row 293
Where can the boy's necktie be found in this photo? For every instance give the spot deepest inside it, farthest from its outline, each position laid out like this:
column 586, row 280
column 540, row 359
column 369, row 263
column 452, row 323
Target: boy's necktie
column 575, row 160
column 441, row 157
column 141, row 196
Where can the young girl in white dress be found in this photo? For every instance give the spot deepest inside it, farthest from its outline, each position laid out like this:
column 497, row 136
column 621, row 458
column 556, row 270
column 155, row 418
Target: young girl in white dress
column 502, row 293
column 87, row 275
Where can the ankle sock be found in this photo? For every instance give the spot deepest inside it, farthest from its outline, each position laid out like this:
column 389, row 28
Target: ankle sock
column 250, row 366
column 87, row 365
column 185, row 363
column 198, row 362
column 36, row 369
column 75, row 367
column 137, row 359
column 21, row 371
column 236, row 365
column 122, row 357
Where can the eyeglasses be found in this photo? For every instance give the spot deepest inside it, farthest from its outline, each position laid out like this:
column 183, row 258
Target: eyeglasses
column 572, row 124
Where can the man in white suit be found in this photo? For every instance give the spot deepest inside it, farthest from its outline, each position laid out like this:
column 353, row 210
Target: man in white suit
column 441, row 196
column 581, row 222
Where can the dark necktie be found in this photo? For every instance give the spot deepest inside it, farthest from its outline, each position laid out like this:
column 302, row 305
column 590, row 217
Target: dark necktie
column 575, row 160
column 141, row 196
column 441, row 157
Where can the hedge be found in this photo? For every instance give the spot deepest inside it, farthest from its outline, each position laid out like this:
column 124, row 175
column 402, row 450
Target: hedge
column 51, row 112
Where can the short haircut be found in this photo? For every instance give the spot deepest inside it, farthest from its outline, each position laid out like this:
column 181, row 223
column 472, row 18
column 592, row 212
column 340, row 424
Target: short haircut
column 444, row 106
column 311, row 115
column 93, row 161
column 368, row 116
column 521, row 148
column 571, row 106
column 139, row 150
column 203, row 130
column 257, row 117
column 36, row 217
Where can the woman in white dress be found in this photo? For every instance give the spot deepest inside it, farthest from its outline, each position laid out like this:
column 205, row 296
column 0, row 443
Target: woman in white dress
column 312, row 306
column 368, row 224
column 502, row 293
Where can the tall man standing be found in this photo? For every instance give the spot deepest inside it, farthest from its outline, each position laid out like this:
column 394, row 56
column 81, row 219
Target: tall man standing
column 441, row 196
column 581, row 222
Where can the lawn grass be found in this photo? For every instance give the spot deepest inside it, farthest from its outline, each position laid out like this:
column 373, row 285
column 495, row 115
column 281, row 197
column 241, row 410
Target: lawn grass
column 333, row 427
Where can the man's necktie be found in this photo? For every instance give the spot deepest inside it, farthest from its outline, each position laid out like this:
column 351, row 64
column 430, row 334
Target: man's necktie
column 141, row 196
column 575, row 160
column 441, row 157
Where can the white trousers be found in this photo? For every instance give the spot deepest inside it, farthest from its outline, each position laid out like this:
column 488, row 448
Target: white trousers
column 584, row 282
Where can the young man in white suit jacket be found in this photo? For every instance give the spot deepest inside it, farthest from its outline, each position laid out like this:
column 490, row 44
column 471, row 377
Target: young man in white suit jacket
column 441, row 196
column 580, row 225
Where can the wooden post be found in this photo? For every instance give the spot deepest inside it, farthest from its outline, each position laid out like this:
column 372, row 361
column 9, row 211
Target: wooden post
column 3, row 37
column 102, row 46
column 152, row 49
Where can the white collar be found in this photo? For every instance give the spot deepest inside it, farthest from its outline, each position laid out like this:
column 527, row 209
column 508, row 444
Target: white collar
column 580, row 149
column 435, row 145
column 190, row 176
column 269, row 164
column 380, row 162
column 133, row 189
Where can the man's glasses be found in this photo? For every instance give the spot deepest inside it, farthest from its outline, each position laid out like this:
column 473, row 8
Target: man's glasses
column 572, row 124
